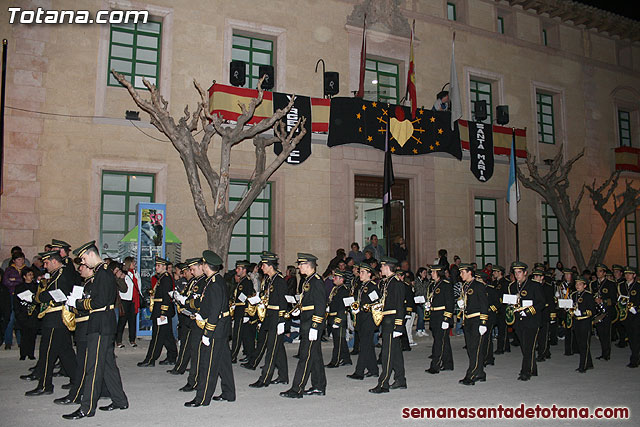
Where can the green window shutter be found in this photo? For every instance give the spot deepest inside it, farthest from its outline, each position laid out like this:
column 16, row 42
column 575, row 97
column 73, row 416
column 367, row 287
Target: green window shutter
column 381, row 81
column 254, row 52
column 134, row 51
column 486, row 231
column 252, row 233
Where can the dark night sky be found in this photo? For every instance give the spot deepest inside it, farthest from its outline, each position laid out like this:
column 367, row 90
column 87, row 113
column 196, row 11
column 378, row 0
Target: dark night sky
column 628, row 8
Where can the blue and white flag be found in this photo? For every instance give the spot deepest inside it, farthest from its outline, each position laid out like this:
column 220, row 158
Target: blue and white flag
column 513, row 191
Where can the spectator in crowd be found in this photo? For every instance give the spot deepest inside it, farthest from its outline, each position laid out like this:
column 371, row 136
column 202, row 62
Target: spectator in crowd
column 37, row 266
column 442, row 101
column 356, row 253
column 7, row 262
column 454, row 270
column 442, row 259
column 130, row 300
column 377, row 250
column 557, row 273
column 291, row 280
column 420, row 288
column 12, row 278
column 333, row 264
column 400, row 249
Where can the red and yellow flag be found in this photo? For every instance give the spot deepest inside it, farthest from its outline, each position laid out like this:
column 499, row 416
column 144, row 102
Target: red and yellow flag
column 411, row 76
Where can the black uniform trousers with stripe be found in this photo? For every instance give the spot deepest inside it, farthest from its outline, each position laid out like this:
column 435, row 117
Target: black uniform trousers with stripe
column 367, row 354
column 391, row 355
column 162, row 336
column 503, row 332
column 184, row 355
column 441, row 355
column 603, row 328
column 632, row 328
column 101, row 366
column 528, row 338
column 237, row 335
column 275, row 356
column 309, row 364
column 474, row 340
column 55, row 342
column 215, row 361
column 582, row 331
column 260, row 348
column 487, row 339
column 340, row 346
column 195, row 340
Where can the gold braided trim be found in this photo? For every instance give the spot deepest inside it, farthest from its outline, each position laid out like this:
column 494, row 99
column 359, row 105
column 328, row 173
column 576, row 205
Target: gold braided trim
column 273, row 307
column 225, row 314
column 308, row 307
column 156, row 299
column 472, row 315
column 448, row 314
column 105, row 308
column 52, row 309
column 317, row 319
column 442, row 307
column 493, row 308
column 532, row 310
column 338, row 320
column 582, row 317
column 484, row 317
column 164, row 307
column 409, row 309
column 397, row 322
column 209, row 327
column 385, row 313
column 238, row 304
column 334, row 313
column 87, row 304
column 82, row 319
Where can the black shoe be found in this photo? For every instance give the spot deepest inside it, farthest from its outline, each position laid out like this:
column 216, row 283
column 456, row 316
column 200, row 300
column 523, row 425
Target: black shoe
column 313, row 391
column 297, row 356
column 490, row 362
column 22, row 357
column 66, row 386
column 248, row 366
column 279, row 381
column 397, row 385
column 432, row 371
column 499, row 352
column 354, row 352
column 39, row 392
column 63, row 401
column 167, row 362
column 524, row 377
column 32, row 358
column 7, row 347
column 467, row 381
column 582, row 371
column 446, row 369
column 355, row 376
column 621, row 344
column 481, row 379
column 133, row 344
column 147, row 363
column 33, row 368
column 29, row 377
column 331, row 365
column 345, row 363
column 291, row 394
column 370, row 374
column 174, row 372
column 120, row 345
column 221, row 397
column 234, row 360
column 258, row 384
column 76, row 415
column 111, row 407
column 632, row 365
column 244, row 359
column 57, row 374
column 378, row 390
column 187, row 388
column 192, row 404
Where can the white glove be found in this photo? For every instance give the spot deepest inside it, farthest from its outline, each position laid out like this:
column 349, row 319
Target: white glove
column 47, row 276
column 206, row 341
column 295, row 313
column 553, row 321
column 397, row 334
column 482, row 329
column 181, row 298
column 445, row 325
column 355, row 312
column 280, row 330
column 577, row 312
column 557, row 294
column 71, row 302
column 523, row 314
column 245, row 319
column 199, row 318
column 28, row 298
column 407, row 316
column 335, row 326
column 313, row 334
column 633, row 310
column 460, row 303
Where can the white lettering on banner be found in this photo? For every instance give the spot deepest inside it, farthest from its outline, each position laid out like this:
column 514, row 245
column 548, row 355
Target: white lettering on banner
column 481, row 157
column 291, row 160
column 292, row 119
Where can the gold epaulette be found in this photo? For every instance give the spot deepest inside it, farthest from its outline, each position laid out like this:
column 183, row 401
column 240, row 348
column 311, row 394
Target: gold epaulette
column 209, row 327
column 397, row 322
column 87, row 304
column 484, row 316
column 532, row 310
column 164, row 307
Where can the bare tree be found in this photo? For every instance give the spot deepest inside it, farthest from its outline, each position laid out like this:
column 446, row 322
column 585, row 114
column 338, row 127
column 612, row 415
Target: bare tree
column 629, row 201
column 553, row 187
column 216, row 219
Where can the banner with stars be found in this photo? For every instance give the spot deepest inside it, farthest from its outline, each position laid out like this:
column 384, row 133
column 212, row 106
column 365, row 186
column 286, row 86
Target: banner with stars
column 354, row 120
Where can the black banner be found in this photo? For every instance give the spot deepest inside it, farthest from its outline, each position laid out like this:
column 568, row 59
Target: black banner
column 481, row 149
column 354, row 120
column 301, row 108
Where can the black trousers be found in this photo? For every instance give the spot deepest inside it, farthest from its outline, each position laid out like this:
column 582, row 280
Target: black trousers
column 441, row 356
column 184, row 355
column 528, row 338
column 473, row 339
column 582, row 331
column 195, row 339
column 569, row 341
column 391, row 355
column 162, row 336
column 101, row 366
column 260, row 348
column 553, row 331
column 27, row 341
column 340, row 346
column 55, row 343
column 632, row 327
column 487, row 340
column 309, row 364
column 543, row 339
column 238, row 331
column 367, row 355
column 502, row 343
column 603, row 328
column 75, row 392
column 215, row 361
column 249, row 338
column 275, row 356
column 128, row 317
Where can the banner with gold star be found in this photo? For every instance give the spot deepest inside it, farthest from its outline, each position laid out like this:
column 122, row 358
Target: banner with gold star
column 354, row 120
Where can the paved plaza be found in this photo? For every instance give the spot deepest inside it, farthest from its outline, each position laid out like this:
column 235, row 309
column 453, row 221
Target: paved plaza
column 155, row 400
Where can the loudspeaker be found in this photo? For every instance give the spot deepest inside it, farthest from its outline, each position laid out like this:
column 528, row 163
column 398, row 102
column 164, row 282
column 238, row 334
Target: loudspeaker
column 480, row 110
column 237, row 73
column 502, row 114
column 269, row 82
column 331, row 83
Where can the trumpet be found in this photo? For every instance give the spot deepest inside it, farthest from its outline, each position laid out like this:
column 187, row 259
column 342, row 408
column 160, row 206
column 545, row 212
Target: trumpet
column 261, row 307
column 297, row 306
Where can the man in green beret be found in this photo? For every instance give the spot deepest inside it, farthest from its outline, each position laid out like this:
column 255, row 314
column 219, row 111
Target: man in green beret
column 392, row 290
column 312, row 312
column 215, row 355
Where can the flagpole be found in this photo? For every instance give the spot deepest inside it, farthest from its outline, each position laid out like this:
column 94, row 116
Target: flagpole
column 513, row 137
